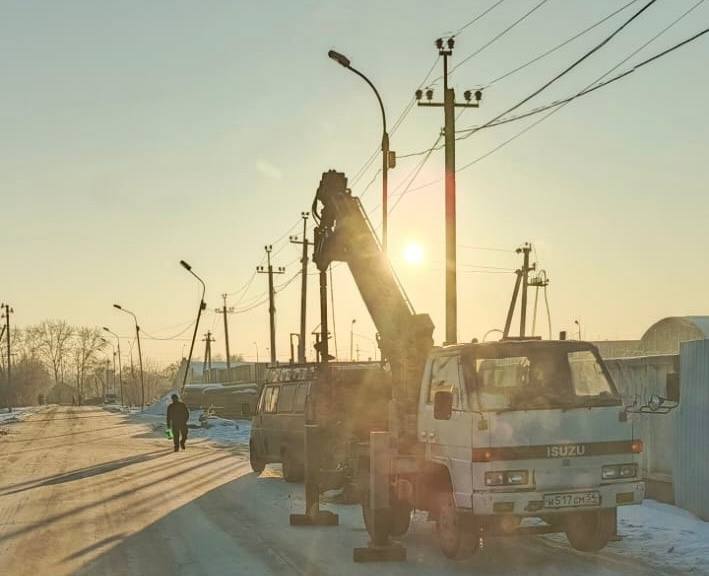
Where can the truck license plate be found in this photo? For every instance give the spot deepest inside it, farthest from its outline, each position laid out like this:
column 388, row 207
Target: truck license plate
column 571, row 500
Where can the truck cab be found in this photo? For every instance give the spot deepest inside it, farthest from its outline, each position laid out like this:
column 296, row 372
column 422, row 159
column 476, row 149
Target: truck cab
column 527, row 429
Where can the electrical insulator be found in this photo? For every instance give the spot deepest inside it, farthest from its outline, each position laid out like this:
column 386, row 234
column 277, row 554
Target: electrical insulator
column 419, row 94
column 429, row 94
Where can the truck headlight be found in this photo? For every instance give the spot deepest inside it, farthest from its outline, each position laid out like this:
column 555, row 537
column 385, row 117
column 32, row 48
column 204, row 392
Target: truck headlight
column 506, row 478
column 517, row 477
column 610, row 472
column 494, row 478
column 615, row 471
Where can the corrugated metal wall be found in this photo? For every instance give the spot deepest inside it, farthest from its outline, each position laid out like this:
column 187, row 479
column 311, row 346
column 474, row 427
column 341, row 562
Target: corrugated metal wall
column 637, row 379
column 691, row 449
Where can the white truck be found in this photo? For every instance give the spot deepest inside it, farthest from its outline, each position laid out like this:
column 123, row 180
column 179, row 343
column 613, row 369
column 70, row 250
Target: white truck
column 480, row 435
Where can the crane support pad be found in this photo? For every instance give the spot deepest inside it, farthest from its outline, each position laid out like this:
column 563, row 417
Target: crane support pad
column 321, row 518
column 391, row 553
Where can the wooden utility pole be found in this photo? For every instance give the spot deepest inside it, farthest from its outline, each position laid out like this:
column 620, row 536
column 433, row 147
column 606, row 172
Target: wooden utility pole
column 226, row 310
column 449, row 105
column 305, row 243
column 271, row 297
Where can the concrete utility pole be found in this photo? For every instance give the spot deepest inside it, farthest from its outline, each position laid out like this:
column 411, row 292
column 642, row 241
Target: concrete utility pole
column 271, row 297
column 207, row 362
column 523, row 280
column 388, row 156
column 449, row 105
column 305, row 243
column 6, row 315
column 224, row 310
column 525, row 250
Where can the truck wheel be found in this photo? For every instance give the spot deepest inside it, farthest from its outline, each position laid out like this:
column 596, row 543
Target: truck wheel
column 398, row 520
column 401, row 517
column 380, row 531
column 292, row 472
column 589, row 531
column 454, row 541
column 257, row 464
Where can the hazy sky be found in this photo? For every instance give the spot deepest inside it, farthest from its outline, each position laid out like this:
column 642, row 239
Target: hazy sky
column 134, row 134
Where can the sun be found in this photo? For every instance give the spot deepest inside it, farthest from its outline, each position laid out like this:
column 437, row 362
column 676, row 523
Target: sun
column 413, row 253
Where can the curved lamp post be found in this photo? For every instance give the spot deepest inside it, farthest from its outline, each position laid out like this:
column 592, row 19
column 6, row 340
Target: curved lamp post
column 140, row 354
column 345, row 62
column 202, row 306
column 120, row 366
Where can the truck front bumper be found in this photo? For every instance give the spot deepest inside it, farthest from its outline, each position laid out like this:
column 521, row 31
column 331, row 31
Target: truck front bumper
column 536, row 503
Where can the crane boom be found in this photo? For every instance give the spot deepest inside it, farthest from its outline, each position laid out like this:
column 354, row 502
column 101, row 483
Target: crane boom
column 345, row 234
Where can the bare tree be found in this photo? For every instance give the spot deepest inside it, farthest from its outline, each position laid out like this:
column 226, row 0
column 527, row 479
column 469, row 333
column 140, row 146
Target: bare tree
column 51, row 342
column 86, row 346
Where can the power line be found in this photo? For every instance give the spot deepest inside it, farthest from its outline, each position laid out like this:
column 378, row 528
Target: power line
column 175, row 337
column 586, row 90
column 595, row 85
column 478, row 17
column 559, row 46
column 499, row 35
column 570, row 67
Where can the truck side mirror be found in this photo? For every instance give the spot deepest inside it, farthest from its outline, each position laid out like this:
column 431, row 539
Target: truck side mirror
column 443, row 405
column 672, row 383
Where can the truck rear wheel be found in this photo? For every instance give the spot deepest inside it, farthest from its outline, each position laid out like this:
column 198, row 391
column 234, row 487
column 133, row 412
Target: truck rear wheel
column 589, row 531
column 454, row 540
column 257, row 464
column 398, row 517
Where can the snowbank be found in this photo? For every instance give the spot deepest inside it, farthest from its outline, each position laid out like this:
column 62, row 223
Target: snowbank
column 214, row 428
column 660, row 535
column 664, row 535
column 17, row 414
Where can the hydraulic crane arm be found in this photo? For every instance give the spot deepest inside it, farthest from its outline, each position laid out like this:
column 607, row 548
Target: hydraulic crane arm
column 345, row 234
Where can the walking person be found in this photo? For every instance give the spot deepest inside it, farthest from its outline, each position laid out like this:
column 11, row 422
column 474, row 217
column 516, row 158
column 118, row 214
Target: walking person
column 177, row 417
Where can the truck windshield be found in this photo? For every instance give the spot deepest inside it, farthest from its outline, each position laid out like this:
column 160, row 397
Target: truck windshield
column 540, row 380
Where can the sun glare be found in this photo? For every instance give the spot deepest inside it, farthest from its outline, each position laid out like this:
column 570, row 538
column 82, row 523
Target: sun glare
column 413, row 253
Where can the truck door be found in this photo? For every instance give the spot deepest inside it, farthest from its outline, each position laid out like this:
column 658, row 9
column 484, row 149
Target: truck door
column 449, row 442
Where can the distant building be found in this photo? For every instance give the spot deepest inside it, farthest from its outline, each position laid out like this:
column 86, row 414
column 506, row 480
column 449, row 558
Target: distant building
column 663, row 337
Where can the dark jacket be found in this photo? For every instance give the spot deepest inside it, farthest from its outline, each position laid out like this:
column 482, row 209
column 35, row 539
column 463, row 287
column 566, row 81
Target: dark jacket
column 177, row 414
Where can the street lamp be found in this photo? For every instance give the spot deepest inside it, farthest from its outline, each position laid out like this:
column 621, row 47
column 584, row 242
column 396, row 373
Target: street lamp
column 387, row 156
column 140, row 354
column 256, row 345
column 202, row 306
column 120, row 364
column 354, row 321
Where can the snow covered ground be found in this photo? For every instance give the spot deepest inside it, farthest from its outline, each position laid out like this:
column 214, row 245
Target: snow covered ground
column 17, row 414
column 665, row 538
column 663, row 535
column 213, row 428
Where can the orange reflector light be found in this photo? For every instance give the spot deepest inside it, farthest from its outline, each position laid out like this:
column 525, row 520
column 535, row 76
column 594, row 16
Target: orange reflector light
column 482, row 454
column 637, row 446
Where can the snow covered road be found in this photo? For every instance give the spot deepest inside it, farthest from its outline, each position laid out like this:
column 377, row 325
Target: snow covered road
column 84, row 491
